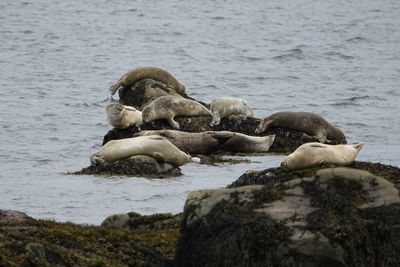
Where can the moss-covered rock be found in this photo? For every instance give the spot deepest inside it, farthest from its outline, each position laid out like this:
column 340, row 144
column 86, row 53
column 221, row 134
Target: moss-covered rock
column 314, row 217
column 133, row 220
column 47, row 243
column 139, row 165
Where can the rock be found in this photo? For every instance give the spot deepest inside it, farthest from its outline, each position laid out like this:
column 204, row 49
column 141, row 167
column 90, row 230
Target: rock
column 134, row 220
column 68, row 244
column 330, row 216
column 13, row 216
column 139, row 165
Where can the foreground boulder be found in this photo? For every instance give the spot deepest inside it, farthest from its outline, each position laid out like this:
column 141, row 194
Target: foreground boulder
column 315, row 217
column 30, row 242
column 139, row 165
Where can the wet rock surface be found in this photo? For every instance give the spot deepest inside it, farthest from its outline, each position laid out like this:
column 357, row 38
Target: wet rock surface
column 139, row 165
column 315, row 217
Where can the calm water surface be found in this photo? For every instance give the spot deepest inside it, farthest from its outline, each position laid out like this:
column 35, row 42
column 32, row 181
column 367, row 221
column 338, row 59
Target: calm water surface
column 339, row 59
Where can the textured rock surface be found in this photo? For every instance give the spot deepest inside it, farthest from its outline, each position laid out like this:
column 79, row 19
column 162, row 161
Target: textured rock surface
column 139, row 165
column 46, row 243
column 133, row 220
column 316, row 217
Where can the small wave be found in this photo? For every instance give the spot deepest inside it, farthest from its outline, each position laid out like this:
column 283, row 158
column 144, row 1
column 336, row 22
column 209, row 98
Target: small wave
column 338, row 55
column 357, row 39
column 295, row 53
column 250, row 58
column 217, row 18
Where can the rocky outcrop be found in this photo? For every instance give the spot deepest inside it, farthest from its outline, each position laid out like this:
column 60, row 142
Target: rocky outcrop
column 29, row 242
column 314, row 217
column 139, row 165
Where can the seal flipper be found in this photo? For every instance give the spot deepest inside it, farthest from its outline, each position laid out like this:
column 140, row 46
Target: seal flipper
column 173, row 123
column 159, row 157
column 220, row 135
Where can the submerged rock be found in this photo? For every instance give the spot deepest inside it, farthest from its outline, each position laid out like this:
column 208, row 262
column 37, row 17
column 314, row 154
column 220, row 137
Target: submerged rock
column 314, row 217
column 139, row 165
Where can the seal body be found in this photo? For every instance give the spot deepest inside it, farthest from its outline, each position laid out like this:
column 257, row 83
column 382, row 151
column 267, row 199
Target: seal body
column 153, row 146
column 314, row 154
column 121, row 117
column 211, row 141
column 307, row 122
column 248, row 144
column 226, row 106
column 167, row 107
column 155, row 73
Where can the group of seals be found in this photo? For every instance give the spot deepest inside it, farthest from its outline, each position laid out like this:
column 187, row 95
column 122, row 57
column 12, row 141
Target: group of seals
column 171, row 146
column 314, row 154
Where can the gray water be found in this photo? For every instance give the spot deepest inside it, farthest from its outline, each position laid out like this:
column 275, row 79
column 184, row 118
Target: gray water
column 340, row 59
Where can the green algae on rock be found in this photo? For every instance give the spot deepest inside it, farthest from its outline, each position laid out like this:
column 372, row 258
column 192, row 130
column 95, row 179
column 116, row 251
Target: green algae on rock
column 48, row 243
column 133, row 220
column 313, row 217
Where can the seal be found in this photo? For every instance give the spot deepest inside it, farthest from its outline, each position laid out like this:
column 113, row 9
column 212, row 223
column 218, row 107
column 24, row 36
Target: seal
column 122, row 117
column 314, row 154
column 307, row 122
column 155, row 73
column 248, row 144
column 211, row 141
column 154, row 146
column 167, row 107
column 226, row 106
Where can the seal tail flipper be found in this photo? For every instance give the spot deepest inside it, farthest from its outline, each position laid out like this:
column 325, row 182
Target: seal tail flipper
column 358, row 146
column 263, row 125
column 159, row 157
column 114, row 88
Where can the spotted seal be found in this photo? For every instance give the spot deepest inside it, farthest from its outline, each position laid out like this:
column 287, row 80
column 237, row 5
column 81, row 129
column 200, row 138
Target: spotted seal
column 121, row 117
column 226, row 106
column 314, row 154
column 307, row 122
column 153, row 146
column 167, row 107
column 155, row 73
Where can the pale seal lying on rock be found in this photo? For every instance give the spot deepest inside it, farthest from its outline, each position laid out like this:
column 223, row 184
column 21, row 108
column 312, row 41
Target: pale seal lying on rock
column 211, row 141
column 167, row 107
column 307, row 122
column 122, row 117
column 153, row 146
column 226, row 106
column 154, row 73
column 314, row 154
